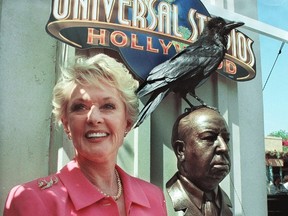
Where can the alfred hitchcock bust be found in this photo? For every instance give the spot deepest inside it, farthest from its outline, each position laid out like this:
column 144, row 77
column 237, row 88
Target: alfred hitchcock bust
column 200, row 141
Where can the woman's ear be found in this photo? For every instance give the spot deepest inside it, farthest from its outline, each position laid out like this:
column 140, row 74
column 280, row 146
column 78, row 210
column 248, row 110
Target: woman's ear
column 180, row 150
column 66, row 127
column 128, row 127
column 64, row 123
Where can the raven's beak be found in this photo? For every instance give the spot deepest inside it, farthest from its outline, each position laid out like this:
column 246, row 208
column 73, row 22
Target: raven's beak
column 231, row 25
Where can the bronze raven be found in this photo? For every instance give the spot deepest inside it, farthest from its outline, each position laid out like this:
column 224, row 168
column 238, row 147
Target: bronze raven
column 182, row 73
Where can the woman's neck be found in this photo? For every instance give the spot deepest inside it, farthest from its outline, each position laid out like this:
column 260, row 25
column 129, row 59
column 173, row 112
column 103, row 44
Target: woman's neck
column 101, row 175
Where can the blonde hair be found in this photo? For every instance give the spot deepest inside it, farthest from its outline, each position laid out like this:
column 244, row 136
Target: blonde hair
column 93, row 70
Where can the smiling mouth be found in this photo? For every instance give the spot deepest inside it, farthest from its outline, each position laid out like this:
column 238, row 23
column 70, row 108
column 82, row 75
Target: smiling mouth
column 96, row 135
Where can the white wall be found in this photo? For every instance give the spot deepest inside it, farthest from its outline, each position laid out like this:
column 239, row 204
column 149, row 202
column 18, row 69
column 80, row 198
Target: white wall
column 27, row 56
column 251, row 136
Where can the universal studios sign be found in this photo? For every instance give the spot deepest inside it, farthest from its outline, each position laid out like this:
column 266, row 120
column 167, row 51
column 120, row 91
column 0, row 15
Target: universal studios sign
column 145, row 32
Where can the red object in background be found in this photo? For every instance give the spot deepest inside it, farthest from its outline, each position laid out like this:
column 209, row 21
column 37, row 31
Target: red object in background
column 285, row 143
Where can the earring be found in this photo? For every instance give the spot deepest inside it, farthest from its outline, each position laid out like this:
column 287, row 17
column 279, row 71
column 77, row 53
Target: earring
column 68, row 134
column 125, row 133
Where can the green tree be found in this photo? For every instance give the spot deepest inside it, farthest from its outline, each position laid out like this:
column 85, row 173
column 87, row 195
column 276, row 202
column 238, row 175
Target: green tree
column 281, row 133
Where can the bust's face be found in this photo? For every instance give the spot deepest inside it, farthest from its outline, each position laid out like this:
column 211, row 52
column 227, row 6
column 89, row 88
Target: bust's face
column 206, row 151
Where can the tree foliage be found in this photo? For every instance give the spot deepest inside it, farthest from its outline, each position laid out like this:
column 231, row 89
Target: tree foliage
column 281, row 133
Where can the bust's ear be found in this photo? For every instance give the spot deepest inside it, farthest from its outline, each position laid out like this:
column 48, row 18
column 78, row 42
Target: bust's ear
column 180, row 150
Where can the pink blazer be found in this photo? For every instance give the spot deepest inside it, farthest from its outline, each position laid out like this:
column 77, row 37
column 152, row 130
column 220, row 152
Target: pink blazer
column 70, row 193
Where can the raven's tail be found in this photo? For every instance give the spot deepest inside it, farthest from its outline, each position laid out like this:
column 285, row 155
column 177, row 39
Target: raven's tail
column 150, row 106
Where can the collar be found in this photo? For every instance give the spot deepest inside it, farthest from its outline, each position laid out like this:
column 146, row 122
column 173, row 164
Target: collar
column 194, row 193
column 178, row 195
column 83, row 193
column 198, row 195
column 183, row 192
column 133, row 191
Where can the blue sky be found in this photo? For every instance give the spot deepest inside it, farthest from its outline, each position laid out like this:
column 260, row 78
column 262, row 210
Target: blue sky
column 275, row 94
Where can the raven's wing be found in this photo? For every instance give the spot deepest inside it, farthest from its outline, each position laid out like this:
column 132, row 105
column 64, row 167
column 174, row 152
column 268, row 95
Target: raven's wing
column 166, row 72
column 151, row 105
column 186, row 64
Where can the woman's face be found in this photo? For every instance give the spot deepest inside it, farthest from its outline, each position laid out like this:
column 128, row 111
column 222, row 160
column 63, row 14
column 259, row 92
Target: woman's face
column 96, row 120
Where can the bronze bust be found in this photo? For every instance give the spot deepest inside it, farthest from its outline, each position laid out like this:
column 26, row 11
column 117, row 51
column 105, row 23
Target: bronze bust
column 200, row 142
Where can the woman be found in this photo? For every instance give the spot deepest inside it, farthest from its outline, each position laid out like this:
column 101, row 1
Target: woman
column 96, row 103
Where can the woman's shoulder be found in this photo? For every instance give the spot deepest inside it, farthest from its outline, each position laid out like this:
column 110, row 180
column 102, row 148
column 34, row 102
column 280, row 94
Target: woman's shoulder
column 144, row 193
column 38, row 184
column 35, row 188
column 33, row 196
column 137, row 180
column 148, row 187
column 145, row 183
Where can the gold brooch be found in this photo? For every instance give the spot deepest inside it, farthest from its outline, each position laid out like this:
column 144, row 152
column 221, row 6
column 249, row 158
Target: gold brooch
column 43, row 184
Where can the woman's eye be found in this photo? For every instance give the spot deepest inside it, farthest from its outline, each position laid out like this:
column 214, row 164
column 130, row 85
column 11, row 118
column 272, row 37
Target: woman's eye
column 78, row 107
column 109, row 106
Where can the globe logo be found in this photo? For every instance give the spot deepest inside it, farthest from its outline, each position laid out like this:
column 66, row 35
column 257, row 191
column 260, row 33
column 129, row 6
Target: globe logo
column 142, row 62
column 145, row 33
